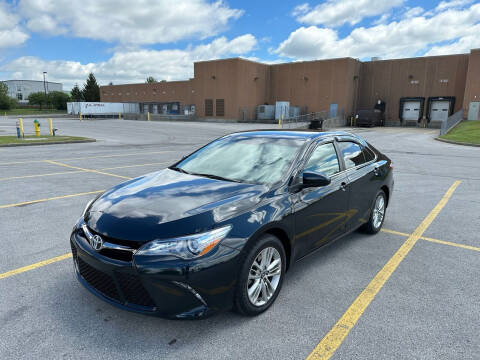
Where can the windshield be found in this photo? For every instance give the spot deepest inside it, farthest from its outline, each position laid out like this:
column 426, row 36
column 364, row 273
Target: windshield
column 251, row 159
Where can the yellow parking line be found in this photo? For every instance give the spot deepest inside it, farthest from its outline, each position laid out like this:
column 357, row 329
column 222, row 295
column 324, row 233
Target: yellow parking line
column 394, row 232
column 437, row 241
column 40, row 175
column 49, row 199
column 34, row 266
column 137, row 165
column 449, row 243
column 79, row 171
column 334, row 338
column 88, row 170
column 87, row 157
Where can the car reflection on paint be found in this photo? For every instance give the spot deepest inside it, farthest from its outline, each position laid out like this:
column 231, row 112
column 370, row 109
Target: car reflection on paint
column 220, row 228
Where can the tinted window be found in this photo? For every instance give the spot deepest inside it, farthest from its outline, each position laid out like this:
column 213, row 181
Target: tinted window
column 324, row 160
column 369, row 155
column 352, row 154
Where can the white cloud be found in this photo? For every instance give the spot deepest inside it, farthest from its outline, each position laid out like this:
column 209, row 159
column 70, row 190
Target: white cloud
column 338, row 12
column 382, row 19
column 407, row 37
column 416, row 11
column 127, row 21
column 11, row 33
column 463, row 45
column 444, row 5
column 131, row 66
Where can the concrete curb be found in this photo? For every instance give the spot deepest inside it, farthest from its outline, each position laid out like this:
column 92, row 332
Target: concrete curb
column 456, row 142
column 50, row 143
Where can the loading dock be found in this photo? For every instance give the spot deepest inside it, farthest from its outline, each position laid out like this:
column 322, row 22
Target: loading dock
column 411, row 110
column 439, row 109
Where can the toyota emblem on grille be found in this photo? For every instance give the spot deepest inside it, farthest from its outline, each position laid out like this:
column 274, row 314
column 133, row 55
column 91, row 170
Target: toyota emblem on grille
column 97, row 242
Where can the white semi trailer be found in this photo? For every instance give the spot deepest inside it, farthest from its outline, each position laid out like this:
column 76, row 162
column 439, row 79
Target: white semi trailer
column 101, row 108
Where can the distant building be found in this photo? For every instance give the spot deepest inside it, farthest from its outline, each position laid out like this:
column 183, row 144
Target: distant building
column 411, row 90
column 20, row 89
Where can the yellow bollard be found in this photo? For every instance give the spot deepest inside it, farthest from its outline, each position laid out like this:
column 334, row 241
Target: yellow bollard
column 80, row 116
column 148, row 116
column 20, row 125
column 120, row 116
column 50, row 126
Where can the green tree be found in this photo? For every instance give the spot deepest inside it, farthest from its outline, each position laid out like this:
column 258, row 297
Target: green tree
column 76, row 93
column 91, row 90
column 151, row 80
column 38, row 98
column 58, row 99
column 5, row 101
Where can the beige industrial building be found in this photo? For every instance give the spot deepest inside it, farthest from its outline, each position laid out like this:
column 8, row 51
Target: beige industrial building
column 414, row 89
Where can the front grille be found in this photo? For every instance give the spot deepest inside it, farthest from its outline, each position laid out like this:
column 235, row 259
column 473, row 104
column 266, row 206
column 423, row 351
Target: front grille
column 100, row 281
column 117, row 254
column 122, row 255
column 133, row 290
column 131, row 244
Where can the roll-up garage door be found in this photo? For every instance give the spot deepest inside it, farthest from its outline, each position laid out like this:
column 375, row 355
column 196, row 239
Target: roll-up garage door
column 439, row 110
column 411, row 110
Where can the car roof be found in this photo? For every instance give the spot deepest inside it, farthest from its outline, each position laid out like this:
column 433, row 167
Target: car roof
column 302, row 134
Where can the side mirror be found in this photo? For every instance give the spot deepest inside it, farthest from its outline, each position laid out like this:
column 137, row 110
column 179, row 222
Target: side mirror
column 312, row 179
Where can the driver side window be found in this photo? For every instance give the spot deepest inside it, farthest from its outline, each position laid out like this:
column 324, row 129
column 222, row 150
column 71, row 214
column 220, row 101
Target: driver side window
column 323, row 160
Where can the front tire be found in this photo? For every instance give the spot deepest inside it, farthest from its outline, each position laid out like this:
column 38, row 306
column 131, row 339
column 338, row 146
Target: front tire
column 377, row 215
column 261, row 276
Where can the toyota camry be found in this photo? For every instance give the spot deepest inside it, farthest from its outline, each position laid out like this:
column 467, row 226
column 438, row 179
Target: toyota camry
column 219, row 229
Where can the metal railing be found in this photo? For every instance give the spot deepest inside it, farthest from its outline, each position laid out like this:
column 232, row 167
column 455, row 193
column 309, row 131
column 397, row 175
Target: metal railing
column 325, row 121
column 303, row 121
column 451, row 122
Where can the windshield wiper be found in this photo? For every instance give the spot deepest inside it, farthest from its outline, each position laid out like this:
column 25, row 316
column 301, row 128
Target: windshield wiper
column 216, row 177
column 178, row 169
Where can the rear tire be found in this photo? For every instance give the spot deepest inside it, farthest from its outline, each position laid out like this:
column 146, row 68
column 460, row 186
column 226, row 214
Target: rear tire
column 377, row 214
column 261, row 276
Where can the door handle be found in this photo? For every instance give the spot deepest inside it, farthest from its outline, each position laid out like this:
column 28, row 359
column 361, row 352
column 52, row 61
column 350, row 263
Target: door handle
column 343, row 186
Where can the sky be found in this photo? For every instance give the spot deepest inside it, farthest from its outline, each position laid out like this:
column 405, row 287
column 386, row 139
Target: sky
column 125, row 41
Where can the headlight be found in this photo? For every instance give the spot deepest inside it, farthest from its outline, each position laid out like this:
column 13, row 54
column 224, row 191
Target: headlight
column 186, row 247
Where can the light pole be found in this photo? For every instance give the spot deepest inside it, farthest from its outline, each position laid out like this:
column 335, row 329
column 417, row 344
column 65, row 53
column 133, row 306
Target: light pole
column 45, row 83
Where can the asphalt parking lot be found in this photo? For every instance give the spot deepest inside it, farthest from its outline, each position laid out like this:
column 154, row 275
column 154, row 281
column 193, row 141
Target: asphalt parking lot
column 411, row 291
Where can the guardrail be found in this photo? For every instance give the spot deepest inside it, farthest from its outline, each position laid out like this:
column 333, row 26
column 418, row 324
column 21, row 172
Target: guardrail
column 451, row 122
column 323, row 118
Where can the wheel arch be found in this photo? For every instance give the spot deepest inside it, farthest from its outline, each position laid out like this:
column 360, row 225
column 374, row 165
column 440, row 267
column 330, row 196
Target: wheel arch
column 386, row 190
column 282, row 234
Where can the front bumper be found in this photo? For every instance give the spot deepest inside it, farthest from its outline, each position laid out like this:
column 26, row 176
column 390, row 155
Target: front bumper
column 167, row 289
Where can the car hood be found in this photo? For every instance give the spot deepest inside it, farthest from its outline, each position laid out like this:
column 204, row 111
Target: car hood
column 168, row 203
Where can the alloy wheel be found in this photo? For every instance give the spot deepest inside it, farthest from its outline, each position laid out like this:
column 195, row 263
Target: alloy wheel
column 378, row 211
column 264, row 276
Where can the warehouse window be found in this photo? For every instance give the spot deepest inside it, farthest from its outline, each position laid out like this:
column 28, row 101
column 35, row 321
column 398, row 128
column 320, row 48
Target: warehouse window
column 208, row 107
column 220, row 107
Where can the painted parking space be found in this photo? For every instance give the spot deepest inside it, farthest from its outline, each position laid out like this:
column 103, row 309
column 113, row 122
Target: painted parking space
column 69, row 321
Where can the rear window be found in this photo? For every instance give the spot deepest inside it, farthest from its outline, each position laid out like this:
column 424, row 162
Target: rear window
column 352, row 154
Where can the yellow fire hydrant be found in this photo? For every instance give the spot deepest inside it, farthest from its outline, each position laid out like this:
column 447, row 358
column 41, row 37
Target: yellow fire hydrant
column 36, row 124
